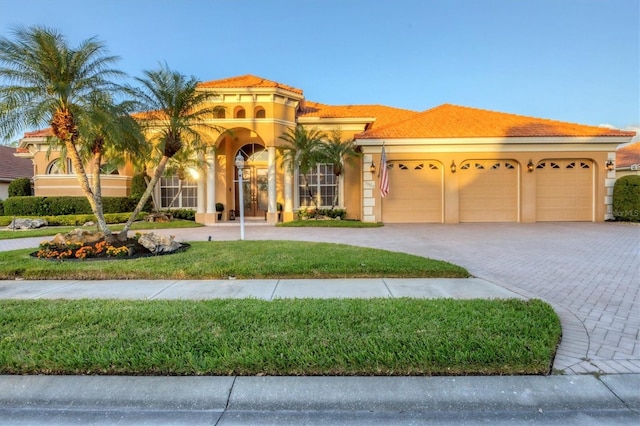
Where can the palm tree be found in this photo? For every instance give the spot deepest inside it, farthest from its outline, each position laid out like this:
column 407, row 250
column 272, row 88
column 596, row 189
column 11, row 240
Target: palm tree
column 336, row 151
column 302, row 149
column 176, row 114
column 52, row 84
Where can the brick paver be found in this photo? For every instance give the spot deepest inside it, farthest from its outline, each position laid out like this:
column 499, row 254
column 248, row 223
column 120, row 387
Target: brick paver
column 589, row 273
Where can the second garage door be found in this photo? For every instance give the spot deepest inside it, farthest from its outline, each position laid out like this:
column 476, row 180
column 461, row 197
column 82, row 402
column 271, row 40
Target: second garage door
column 488, row 191
column 415, row 192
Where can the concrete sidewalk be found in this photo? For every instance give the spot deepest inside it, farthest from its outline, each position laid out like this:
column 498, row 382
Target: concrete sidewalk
column 268, row 289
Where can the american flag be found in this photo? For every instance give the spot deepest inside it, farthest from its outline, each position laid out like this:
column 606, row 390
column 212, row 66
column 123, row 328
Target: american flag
column 384, row 174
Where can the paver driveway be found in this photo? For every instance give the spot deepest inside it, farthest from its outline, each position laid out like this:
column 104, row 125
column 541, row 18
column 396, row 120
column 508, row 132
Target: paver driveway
column 589, row 272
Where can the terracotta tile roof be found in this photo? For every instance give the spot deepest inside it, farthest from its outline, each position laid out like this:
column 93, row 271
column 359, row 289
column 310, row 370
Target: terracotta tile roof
column 246, row 82
column 453, row 121
column 39, row 133
column 12, row 167
column 384, row 115
column 628, row 155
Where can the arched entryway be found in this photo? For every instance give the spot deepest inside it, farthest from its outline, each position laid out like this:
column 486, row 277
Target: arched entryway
column 255, row 181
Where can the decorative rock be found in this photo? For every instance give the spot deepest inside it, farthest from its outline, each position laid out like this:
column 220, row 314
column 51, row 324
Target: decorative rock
column 78, row 235
column 25, row 223
column 88, row 224
column 159, row 217
column 157, row 244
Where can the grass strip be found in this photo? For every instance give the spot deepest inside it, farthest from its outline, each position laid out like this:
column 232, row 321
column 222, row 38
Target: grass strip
column 242, row 259
column 282, row 337
column 329, row 224
column 8, row 234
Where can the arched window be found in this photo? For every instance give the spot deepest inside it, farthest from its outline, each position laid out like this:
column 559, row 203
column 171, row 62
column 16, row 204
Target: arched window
column 240, row 113
column 56, row 168
column 260, row 112
column 221, row 113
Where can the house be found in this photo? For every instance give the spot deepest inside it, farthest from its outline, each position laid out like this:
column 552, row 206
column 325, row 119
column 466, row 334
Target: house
column 12, row 168
column 448, row 164
column 628, row 160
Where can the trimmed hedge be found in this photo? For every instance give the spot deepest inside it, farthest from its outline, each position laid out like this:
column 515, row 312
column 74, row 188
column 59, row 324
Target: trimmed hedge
column 185, row 214
column 626, row 199
column 56, row 206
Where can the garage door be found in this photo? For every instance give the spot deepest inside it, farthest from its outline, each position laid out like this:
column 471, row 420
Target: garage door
column 488, row 191
column 564, row 190
column 415, row 192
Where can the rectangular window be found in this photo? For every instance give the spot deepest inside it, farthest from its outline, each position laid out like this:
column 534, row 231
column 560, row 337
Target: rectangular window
column 169, row 187
column 322, row 187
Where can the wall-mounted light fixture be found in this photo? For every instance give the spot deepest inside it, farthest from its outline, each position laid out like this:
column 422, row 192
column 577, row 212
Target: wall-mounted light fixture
column 372, row 168
column 453, row 166
column 609, row 164
column 530, row 166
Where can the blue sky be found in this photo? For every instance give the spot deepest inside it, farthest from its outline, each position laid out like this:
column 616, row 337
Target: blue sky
column 569, row 60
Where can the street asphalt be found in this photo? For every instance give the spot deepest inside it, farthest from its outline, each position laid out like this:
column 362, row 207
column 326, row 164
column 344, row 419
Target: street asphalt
column 589, row 273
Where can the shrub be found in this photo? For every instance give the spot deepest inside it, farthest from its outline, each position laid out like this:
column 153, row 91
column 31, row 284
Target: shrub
column 25, row 206
column 20, row 187
column 1, row 208
column 304, row 214
column 185, row 214
column 626, row 199
column 55, row 206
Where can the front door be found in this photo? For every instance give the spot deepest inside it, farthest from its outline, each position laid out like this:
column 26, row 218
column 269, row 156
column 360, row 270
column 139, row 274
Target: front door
column 254, row 188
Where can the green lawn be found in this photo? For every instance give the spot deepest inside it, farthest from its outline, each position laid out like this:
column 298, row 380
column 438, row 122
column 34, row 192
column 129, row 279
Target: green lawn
column 136, row 226
column 242, row 259
column 281, row 337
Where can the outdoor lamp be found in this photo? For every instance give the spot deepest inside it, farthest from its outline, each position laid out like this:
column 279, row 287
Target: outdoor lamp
column 372, row 168
column 609, row 164
column 240, row 161
column 530, row 166
column 453, row 166
column 240, row 166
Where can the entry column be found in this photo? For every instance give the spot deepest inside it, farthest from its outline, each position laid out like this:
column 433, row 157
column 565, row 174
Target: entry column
column 272, row 214
column 211, row 181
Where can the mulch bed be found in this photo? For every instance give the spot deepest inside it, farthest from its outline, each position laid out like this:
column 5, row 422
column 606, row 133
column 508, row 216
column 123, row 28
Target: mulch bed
column 135, row 250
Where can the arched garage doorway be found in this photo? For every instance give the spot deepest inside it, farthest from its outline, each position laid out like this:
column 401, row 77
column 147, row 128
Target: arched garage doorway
column 415, row 194
column 564, row 190
column 488, row 191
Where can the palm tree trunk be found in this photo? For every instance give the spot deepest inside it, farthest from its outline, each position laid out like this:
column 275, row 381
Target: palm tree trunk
column 122, row 235
column 97, row 192
column 335, row 196
column 175, row 197
column 153, row 193
column 95, row 201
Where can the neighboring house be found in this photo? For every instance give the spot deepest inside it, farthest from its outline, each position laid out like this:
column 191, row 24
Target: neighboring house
column 628, row 160
column 12, row 168
column 448, row 164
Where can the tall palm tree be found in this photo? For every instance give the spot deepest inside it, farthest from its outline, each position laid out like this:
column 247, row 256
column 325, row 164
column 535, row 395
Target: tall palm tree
column 302, row 149
column 51, row 83
column 176, row 113
column 336, row 151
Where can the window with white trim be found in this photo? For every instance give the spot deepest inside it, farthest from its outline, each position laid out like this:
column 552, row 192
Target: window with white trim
column 169, row 187
column 322, row 186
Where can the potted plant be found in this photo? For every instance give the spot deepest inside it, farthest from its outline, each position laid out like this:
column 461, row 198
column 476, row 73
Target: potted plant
column 219, row 210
